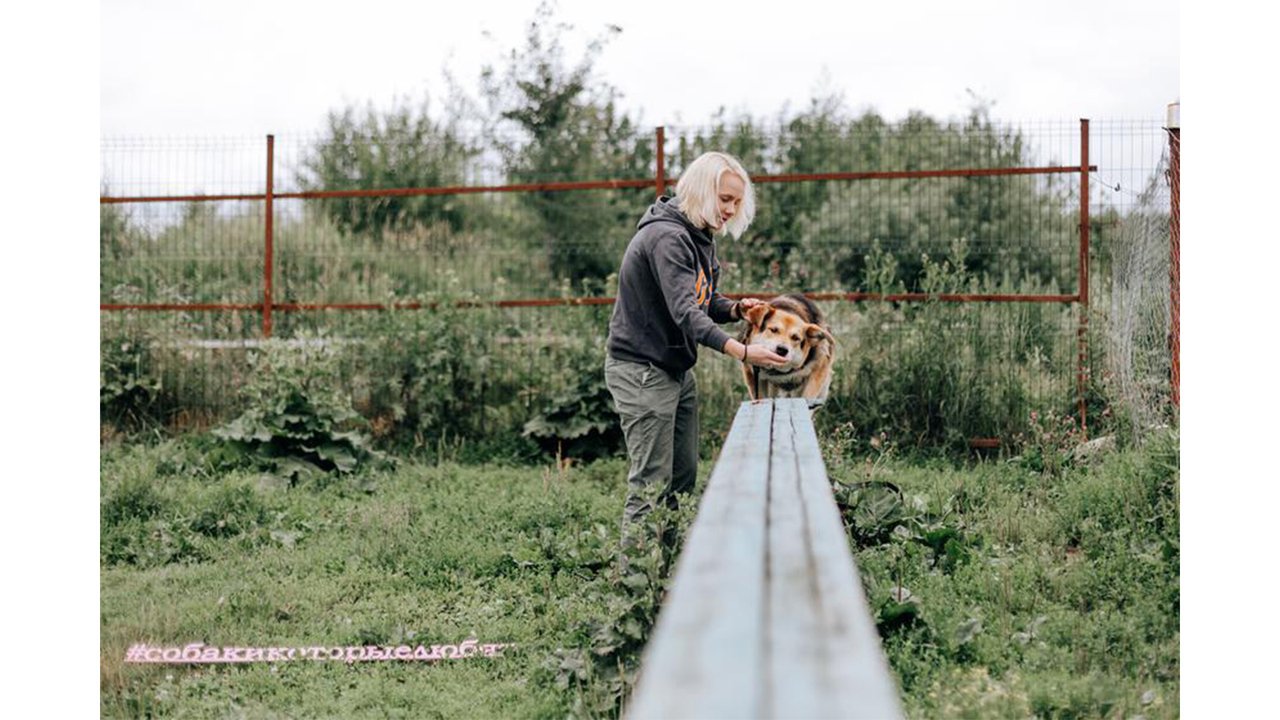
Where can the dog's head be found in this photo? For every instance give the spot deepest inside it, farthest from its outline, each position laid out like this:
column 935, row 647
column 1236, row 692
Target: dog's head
column 784, row 332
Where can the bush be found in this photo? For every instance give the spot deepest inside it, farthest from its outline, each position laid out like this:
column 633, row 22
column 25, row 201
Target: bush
column 129, row 387
column 298, row 425
column 930, row 374
column 580, row 422
column 437, row 373
column 1000, row 215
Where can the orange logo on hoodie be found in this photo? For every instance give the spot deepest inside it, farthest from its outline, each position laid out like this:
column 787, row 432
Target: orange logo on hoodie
column 701, row 289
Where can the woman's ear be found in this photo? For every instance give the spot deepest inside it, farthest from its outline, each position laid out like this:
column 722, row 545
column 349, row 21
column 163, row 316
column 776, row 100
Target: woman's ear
column 758, row 314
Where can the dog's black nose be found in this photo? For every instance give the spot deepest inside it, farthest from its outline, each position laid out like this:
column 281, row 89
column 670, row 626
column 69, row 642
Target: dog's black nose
column 781, row 350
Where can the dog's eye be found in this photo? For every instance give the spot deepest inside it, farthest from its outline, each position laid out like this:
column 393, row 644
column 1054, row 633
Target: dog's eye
column 795, row 338
column 775, row 329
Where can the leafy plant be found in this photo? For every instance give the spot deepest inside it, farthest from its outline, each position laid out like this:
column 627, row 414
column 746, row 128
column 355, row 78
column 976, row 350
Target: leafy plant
column 877, row 512
column 129, row 387
column 579, row 423
column 1048, row 442
column 298, row 424
column 902, row 528
column 602, row 671
column 435, row 370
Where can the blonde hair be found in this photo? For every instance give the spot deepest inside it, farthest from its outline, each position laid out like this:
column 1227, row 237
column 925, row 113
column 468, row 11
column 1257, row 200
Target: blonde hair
column 698, row 191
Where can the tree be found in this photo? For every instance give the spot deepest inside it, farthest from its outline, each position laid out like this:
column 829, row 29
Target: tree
column 400, row 148
column 1018, row 229
column 558, row 123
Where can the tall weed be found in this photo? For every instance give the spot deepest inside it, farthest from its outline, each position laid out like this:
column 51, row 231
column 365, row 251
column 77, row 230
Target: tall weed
column 298, row 424
column 600, row 671
column 130, row 390
column 929, row 374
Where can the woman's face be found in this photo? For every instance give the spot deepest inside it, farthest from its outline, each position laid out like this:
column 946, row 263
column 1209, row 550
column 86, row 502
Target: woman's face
column 728, row 198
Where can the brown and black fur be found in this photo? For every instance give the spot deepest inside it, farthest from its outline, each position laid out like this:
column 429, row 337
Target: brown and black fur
column 793, row 326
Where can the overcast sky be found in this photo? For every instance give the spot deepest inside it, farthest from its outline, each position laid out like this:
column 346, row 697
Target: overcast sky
column 248, row 67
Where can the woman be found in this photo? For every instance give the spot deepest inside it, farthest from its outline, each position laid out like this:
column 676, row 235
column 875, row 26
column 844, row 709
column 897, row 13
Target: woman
column 667, row 305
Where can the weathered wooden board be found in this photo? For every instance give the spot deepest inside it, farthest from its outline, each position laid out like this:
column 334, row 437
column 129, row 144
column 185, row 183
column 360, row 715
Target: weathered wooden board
column 766, row 616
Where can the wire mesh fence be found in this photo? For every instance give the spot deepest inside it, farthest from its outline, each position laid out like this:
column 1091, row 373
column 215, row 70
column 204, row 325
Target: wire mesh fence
column 948, row 256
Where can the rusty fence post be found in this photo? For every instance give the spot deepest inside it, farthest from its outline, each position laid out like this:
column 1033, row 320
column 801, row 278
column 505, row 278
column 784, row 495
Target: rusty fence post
column 1082, row 333
column 1175, row 253
column 268, row 263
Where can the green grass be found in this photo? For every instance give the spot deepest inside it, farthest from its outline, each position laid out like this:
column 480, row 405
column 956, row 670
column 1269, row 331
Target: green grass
column 434, row 555
column 1058, row 599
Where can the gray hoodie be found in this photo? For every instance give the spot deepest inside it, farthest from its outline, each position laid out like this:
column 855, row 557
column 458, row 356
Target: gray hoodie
column 667, row 301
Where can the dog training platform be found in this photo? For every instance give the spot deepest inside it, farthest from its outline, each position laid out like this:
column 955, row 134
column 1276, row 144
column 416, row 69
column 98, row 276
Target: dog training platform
column 766, row 616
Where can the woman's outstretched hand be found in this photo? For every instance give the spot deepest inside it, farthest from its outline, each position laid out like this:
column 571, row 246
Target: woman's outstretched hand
column 761, row 355
column 753, row 354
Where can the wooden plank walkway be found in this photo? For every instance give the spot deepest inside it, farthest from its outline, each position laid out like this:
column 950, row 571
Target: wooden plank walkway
column 766, row 617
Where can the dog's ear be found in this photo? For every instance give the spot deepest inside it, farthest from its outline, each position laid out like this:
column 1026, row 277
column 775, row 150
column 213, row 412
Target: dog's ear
column 814, row 334
column 758, row 314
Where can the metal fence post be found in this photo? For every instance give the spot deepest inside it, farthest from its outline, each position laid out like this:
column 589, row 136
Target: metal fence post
column 1083, row 331
column 268, row 264
column 1175, row 252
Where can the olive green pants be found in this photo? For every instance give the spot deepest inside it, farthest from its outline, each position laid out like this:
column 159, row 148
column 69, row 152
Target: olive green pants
column 660, row 424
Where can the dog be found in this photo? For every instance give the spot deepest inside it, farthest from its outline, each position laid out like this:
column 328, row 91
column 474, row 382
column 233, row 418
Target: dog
column 793, row 327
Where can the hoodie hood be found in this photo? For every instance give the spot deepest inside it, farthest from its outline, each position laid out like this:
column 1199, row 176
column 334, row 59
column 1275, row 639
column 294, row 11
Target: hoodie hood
column 667, row 209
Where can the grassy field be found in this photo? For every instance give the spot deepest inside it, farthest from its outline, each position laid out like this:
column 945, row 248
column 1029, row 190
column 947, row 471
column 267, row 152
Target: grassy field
column 1008, row 589
column 424, row 555
column 1036, row 589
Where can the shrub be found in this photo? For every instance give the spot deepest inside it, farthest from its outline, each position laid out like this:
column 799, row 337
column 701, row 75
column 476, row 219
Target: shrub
column 580, row 422
column 298, row 423
column 1024, row 220
column 928, row 374
column 129, row 387
column 436, row 371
